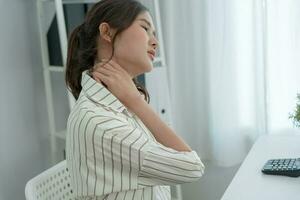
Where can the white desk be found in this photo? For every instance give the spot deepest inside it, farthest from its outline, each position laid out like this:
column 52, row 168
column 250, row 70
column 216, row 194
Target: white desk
column 250, row 183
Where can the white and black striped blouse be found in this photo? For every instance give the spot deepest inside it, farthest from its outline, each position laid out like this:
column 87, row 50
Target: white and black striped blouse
column 112, row 155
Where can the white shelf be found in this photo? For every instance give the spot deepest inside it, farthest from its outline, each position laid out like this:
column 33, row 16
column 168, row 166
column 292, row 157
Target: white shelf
column 74, row 1
column 55, row 68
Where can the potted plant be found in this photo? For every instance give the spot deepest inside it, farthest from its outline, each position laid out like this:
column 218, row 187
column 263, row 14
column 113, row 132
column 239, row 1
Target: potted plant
column 295, row 116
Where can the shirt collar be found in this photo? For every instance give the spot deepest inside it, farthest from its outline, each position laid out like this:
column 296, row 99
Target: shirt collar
column 98, row 93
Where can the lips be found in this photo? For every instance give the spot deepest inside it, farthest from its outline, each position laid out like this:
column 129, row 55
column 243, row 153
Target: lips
column 151, row 54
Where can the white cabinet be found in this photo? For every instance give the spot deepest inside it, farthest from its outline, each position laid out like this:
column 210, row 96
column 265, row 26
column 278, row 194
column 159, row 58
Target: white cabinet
column 157, row 86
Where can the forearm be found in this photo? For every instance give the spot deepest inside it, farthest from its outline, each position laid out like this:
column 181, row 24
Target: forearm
column 159, row 129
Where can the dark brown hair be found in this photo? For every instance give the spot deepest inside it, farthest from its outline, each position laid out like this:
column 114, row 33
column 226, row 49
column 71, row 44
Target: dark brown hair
column 82, row 44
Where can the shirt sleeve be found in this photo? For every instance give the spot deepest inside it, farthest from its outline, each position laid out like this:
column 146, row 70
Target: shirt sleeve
column 162, row 165
column 127, row 153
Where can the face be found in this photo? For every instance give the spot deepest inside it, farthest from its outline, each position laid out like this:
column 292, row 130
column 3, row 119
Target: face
column 135, row 47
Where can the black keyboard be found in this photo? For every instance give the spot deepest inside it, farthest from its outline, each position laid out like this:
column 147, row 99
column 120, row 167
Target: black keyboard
column 284, row 166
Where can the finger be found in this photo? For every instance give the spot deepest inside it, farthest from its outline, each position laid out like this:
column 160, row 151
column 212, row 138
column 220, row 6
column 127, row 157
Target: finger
column 105, row 71
column 110, row 64
column 101, row 63
column 97, row 79
column 114, row 64
column 104, row 61
column 101, row 77
column 97, row 65
column 110, row 67
column 96, row 74
column 106, row 66
column 116, row 67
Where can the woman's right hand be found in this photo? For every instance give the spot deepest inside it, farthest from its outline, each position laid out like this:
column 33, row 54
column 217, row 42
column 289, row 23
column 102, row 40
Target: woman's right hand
column 118, row 82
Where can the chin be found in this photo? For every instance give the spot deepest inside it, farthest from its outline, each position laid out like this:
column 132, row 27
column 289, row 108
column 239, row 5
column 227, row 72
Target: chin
column 149, row 66
column 146, row 70
column 146, row 67
column 150, row 69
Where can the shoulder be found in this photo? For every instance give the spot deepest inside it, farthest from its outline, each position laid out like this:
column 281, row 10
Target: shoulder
column 87, row 110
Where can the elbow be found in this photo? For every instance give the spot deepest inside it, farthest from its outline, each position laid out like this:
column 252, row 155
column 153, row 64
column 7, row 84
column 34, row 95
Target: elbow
column 198, row 165
column 195, row 174
column 200, row 170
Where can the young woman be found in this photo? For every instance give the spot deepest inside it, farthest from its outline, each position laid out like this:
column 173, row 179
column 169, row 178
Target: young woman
column 117, row 146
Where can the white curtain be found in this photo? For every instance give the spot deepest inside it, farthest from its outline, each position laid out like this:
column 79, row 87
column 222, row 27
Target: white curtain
column 232, row 68
column 283, row 61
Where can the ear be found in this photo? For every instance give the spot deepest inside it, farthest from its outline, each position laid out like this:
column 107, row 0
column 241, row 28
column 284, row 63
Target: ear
column 106, row 32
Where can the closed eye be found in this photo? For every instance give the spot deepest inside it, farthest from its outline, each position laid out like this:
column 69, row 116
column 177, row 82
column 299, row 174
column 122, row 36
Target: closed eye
column 145, row 28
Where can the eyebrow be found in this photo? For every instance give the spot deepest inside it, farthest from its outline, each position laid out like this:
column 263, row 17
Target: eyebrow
column 147, row 22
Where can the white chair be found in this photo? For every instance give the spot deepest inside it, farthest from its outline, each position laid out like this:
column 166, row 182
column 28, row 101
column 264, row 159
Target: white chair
column 54, row 183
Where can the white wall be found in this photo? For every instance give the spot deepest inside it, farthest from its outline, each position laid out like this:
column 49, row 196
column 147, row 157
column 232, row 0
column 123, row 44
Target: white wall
column 23, row 143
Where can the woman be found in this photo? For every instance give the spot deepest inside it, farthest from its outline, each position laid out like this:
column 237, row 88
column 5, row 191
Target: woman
column 117, row 146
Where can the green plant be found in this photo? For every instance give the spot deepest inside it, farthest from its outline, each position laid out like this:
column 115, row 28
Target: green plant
column 295, row 116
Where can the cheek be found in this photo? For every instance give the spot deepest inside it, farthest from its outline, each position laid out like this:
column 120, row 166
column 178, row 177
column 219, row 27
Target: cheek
column 131, row 51
column 133, row 43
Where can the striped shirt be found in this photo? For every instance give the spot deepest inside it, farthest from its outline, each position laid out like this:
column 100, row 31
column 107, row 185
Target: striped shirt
column 112, row 155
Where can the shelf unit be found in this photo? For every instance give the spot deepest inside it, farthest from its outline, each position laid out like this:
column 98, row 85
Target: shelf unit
column 54, row 25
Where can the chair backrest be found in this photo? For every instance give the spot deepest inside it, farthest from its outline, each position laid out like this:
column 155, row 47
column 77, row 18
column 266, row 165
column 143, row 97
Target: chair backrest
column 54, row 183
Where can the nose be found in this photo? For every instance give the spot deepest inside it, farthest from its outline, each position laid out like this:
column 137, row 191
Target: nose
column 154, row 42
